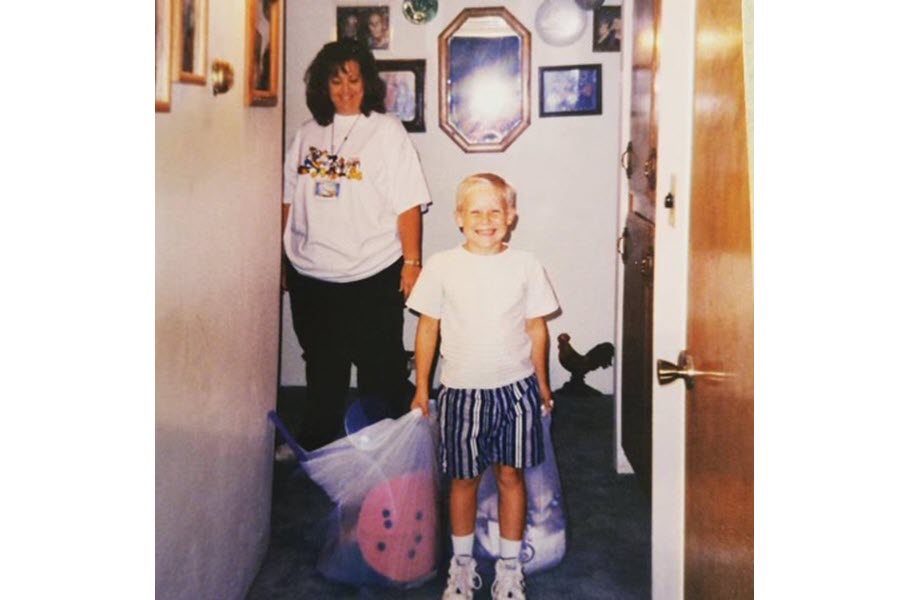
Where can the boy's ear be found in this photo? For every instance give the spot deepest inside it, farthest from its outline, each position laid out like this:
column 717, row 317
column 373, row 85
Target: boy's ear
column 459, row 220
column 510, row 216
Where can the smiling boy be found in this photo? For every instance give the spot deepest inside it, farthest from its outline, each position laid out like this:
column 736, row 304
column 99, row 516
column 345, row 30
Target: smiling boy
column 488, row 303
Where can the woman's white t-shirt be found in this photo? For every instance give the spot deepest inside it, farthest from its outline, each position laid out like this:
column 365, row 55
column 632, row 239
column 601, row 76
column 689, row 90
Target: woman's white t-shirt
column 346, row 195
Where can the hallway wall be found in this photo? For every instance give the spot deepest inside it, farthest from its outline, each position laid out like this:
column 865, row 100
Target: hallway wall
column 564, row 170
column 217, row 264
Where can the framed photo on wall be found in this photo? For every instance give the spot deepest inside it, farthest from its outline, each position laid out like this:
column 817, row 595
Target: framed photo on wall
column 405, row 95
column 607, row 29
column 484, row 79
column 263, row 51
column 189, row 28
column 571, row 90
column 163, row 55
column 369, row 24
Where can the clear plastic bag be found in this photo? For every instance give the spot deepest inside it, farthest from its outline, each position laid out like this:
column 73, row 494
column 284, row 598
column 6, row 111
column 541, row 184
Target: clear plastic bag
column 544, row 542
column 383, row 479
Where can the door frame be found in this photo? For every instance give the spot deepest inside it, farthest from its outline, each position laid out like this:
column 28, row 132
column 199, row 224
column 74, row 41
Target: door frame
column 675, row 119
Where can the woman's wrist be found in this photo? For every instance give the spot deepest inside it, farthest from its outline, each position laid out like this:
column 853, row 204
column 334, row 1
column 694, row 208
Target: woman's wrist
column 413, row 262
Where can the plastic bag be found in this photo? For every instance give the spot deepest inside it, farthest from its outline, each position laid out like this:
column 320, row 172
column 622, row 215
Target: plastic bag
column 544, row 542
column 383, row 479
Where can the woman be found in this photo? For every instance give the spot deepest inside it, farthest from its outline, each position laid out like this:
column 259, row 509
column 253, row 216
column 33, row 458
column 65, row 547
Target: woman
column 354, row 193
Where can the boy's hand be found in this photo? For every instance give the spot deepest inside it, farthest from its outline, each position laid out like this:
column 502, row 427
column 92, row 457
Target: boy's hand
column 546, row 400
column 420, row 400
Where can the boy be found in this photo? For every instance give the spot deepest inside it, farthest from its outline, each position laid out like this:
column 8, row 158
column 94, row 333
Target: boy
column 488, row 303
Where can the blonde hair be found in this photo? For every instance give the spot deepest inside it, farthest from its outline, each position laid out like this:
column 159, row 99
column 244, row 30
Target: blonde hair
column 506, row 192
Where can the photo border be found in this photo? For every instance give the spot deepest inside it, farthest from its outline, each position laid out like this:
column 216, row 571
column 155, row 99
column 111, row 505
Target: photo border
column 595, row 110
column 253, row 96
column 417, row 68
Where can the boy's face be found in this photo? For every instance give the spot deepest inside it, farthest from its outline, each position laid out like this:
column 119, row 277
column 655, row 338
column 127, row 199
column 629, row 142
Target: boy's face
column 484, row 219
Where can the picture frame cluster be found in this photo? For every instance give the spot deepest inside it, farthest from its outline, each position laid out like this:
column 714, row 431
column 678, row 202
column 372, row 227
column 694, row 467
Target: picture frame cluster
column 182, row 33
column 182, row 57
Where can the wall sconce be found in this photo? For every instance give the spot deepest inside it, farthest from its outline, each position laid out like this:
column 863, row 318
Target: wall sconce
column 222, row 77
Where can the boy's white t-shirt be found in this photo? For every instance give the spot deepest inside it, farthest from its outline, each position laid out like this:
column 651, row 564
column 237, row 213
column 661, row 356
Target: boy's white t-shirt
column 482, row 302
column 344, row 228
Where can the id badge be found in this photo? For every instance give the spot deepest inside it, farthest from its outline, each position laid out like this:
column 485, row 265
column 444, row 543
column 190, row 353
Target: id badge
column 328, row 189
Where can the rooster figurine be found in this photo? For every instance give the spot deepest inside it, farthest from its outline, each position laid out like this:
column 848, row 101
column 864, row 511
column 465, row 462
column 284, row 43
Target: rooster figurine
column 579, row 365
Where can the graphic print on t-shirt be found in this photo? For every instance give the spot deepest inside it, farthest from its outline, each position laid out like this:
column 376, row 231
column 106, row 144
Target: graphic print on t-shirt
column 319, row 163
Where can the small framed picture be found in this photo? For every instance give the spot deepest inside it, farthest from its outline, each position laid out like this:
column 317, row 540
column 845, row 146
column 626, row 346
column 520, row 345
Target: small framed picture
column 190, row 22
column 163, row 55
column 571, row 90
column 405, row 95
column 263, row 50
column 608, row 29
column 369, row 24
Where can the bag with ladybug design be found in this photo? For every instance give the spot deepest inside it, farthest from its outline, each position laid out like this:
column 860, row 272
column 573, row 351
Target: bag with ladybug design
column 384, row 482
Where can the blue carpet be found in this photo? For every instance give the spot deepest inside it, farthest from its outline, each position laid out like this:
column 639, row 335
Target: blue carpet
column 608, row 523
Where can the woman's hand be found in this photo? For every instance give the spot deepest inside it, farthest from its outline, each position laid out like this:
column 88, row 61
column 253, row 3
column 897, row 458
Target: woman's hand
column 408, row 276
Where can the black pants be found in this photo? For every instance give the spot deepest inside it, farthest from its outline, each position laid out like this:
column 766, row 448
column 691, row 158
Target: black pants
column 337, row 324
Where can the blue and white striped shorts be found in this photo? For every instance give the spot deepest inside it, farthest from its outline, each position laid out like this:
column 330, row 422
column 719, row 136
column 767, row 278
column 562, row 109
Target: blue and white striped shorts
column 483, row 427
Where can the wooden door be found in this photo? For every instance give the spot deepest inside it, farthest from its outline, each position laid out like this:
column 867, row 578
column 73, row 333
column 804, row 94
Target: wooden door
column 636, row 248
column 719, row 409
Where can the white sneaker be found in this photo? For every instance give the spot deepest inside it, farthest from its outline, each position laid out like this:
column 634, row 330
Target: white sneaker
column 509, row 581
column 463, row 580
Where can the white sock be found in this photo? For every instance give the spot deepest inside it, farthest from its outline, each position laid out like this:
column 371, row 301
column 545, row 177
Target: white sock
column 463, row 544
column 510, row 549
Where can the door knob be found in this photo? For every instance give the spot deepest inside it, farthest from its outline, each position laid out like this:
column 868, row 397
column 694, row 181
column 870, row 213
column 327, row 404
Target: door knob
column 666, row 372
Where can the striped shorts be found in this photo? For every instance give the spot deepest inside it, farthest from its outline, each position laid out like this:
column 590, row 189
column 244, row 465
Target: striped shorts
column 483, row 427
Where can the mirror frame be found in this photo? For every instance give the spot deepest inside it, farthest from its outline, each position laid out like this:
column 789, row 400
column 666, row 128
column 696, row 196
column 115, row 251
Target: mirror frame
column 445, row 84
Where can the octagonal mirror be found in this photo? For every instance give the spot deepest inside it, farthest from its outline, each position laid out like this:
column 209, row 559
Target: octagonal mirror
column 484, row 79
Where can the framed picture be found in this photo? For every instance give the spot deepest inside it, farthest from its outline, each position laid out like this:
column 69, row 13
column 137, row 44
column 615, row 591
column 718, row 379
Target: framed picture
column 484, row 81
column 369, row 24
column 189, row 27
column 571, row 90
column 405, row 96
column 263, row 51
column 607, row 29
column 163, row 55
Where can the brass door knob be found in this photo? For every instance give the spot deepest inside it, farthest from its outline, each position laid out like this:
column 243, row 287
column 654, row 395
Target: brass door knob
column 666, row 372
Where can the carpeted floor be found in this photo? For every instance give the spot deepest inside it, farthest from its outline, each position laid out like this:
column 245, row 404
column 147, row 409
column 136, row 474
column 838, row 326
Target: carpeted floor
column 608, row 523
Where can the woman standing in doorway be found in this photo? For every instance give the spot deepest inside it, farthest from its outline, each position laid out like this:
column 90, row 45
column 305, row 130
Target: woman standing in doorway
column 354, row 193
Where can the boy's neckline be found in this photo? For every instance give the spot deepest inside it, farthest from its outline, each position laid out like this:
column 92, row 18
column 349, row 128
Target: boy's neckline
column 503, row 249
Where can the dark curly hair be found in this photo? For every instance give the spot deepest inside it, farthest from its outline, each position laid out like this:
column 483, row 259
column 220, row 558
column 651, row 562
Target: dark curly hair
column 332, row 58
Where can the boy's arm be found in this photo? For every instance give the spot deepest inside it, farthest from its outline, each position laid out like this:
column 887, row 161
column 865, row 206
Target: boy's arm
column 540, row 340
column 426, row 344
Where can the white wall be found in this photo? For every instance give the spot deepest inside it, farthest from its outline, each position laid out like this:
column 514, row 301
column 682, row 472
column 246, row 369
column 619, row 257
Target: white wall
column 217, row 265
column 564, row 170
